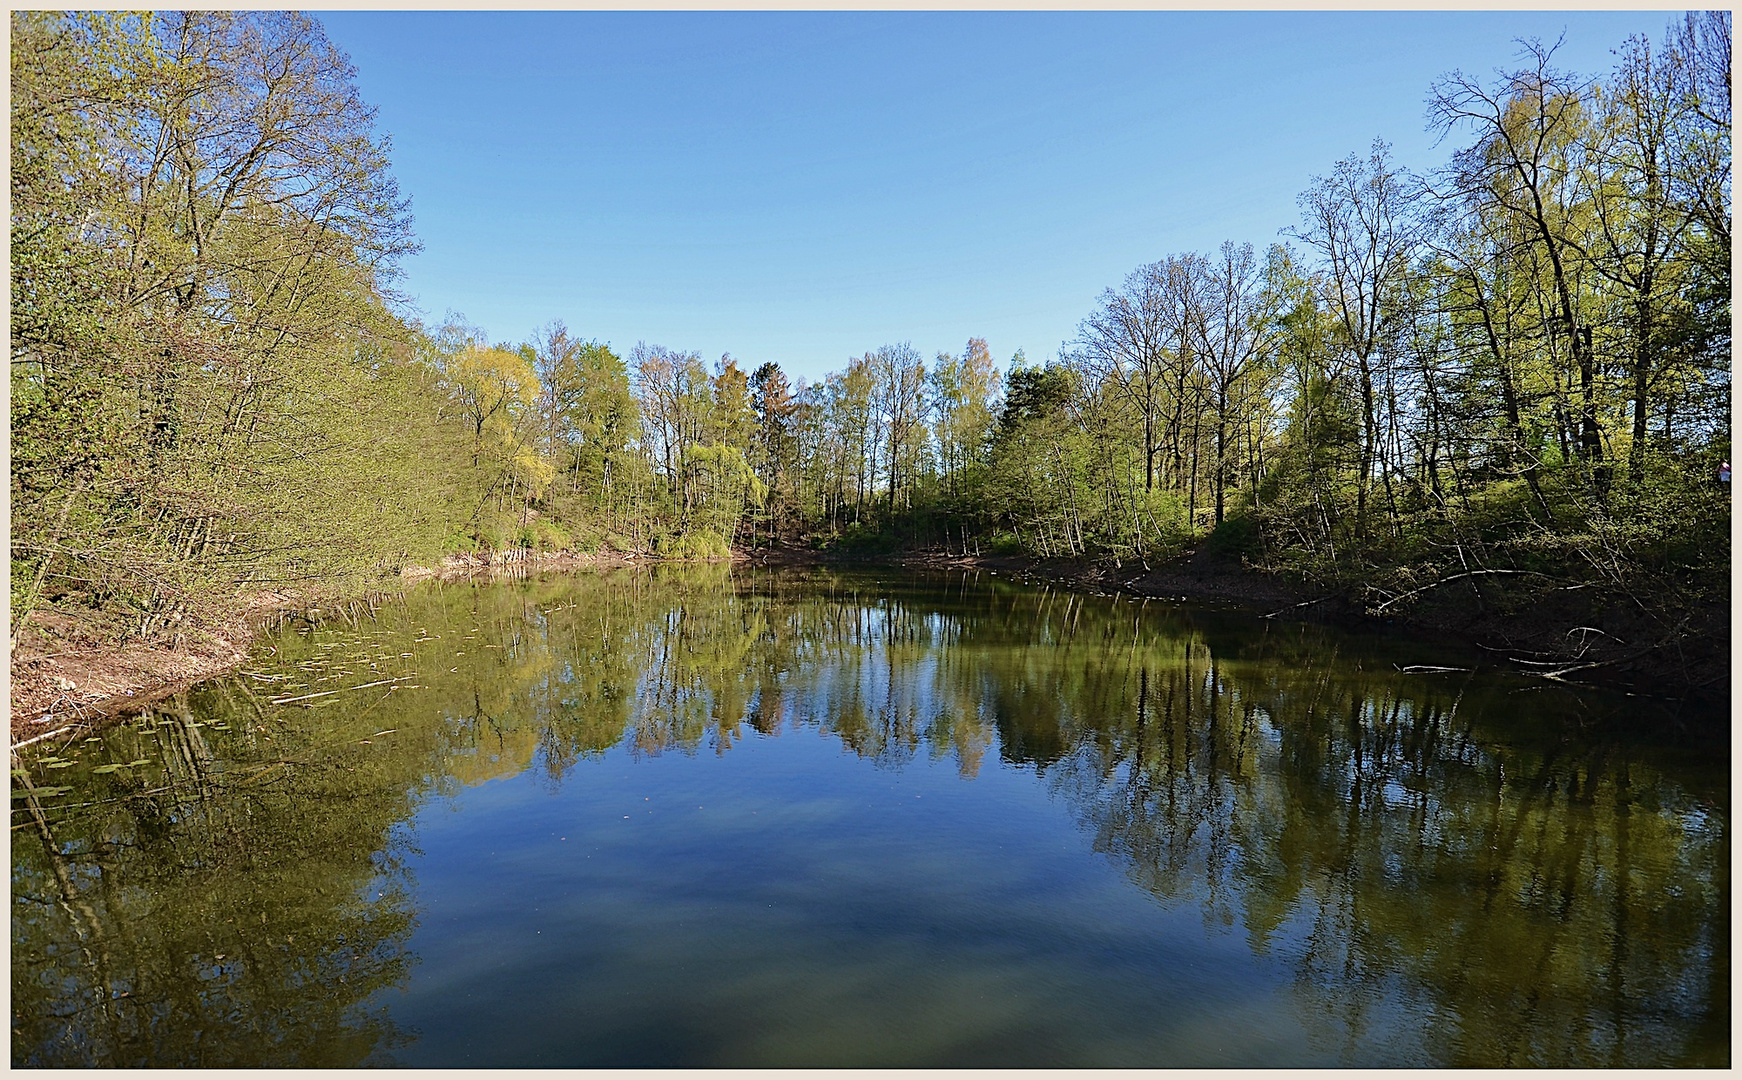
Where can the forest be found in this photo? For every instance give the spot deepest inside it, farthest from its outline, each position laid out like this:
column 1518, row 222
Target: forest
column 1511, row 371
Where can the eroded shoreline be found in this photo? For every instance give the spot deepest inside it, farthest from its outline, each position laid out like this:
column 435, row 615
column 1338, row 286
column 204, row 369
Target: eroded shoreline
column 60, row 685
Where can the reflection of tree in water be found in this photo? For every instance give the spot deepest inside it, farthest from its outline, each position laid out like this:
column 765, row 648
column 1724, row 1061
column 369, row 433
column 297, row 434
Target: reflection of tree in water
column 228, row 918
column 1502, row 894
column 1531, row 904
column 1528, row 901
column 1445, row 867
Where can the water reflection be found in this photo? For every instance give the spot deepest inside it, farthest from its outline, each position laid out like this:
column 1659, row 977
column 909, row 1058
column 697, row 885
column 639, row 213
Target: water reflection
column 1496, row 870
column 1533, row 905
column 212, row 909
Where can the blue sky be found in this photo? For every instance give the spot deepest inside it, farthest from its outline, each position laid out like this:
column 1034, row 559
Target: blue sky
column 803, row 187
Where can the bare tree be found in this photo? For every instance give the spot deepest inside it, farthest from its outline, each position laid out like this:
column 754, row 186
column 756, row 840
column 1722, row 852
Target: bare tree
column 900, row 399
column 1235, row 338
column 1127, row 342
column 1640, row 226
column 1358, row 220
column 1699, row 52
column 1524, row 162
column 674, row 391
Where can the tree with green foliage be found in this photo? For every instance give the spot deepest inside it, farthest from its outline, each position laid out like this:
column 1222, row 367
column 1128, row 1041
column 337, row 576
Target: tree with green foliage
column 964, row 400
column 205, row 234
column 774, row 450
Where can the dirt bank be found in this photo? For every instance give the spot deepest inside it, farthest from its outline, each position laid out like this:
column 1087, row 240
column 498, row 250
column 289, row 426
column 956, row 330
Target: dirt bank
column 1198, row 577
column 67, row 677
column 63, row 677
column 1557, row 636
column 787, row 556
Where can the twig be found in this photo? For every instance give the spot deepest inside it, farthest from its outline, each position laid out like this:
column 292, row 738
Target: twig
column 74, row 727
column 342, row 689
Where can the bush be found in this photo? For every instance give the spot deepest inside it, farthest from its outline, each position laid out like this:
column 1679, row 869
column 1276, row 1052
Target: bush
column 459, row 542
column 1236, row 537
column 700, row 544
column 861, row 539
column 546, row 535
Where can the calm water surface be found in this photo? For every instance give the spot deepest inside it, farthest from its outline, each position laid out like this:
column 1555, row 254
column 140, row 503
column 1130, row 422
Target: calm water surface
column 693, row 817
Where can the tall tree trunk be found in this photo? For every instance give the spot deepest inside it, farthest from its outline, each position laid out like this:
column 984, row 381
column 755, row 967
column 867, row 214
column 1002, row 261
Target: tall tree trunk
column 1641, row 385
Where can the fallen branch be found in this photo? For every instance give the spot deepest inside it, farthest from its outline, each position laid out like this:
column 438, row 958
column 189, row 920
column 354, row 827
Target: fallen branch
column 1447, row 581
column 342, row 689
column 1562, row 667
column 75, row 726
column 1303, row 603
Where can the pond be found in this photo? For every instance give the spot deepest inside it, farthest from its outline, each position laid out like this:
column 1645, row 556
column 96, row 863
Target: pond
column 696, row 816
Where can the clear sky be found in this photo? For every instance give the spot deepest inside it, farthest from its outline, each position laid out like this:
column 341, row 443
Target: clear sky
column 803, row 187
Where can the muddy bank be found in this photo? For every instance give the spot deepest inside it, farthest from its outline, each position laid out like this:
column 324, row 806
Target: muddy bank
column 468, row 567
column 1557, row 636
column 789, row 556
column 1199, row 578
column 62, row 680
column 65, row 677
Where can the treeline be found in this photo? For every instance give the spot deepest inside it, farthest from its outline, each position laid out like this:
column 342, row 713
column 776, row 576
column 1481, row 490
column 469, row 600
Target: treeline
column 1515, row 365
column 1515, row 368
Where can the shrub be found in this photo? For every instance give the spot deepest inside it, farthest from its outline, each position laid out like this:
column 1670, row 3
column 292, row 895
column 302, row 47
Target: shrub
column 1236, row 537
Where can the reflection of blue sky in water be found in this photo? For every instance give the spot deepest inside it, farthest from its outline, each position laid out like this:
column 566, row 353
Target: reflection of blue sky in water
column 792, row 906
column 816, row 819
